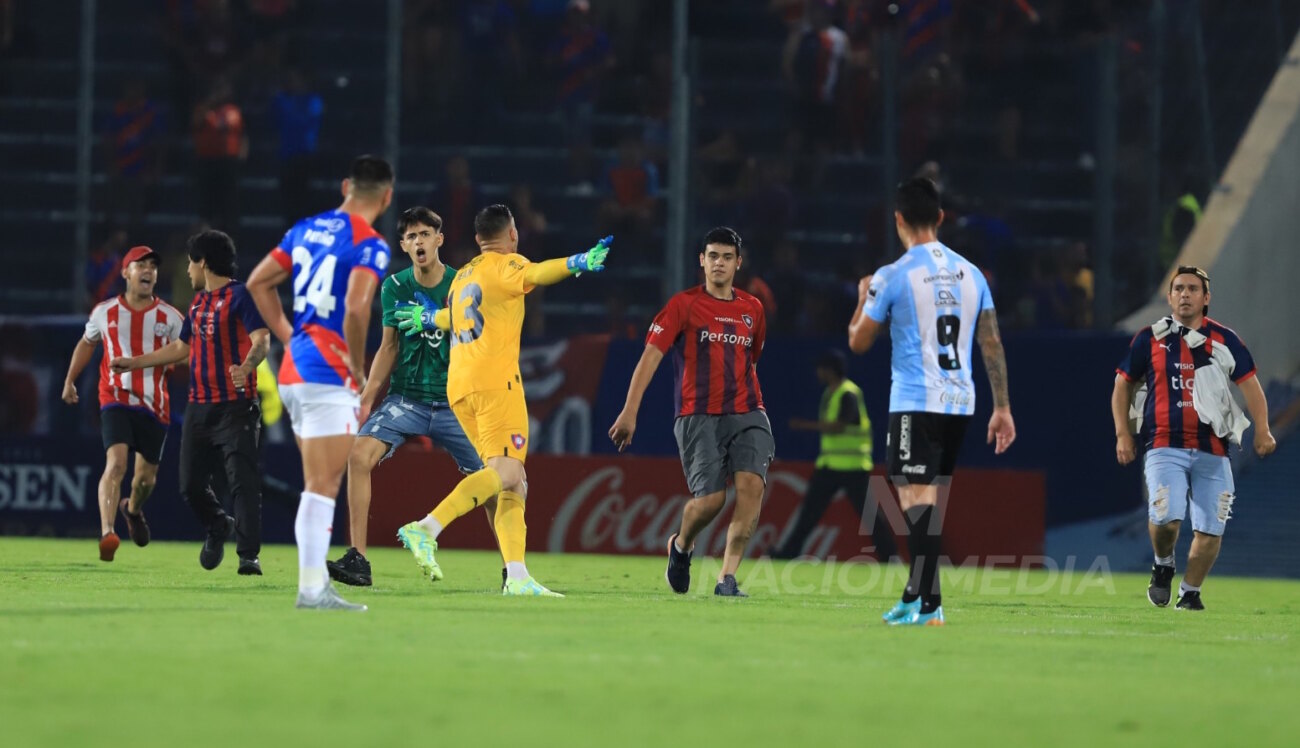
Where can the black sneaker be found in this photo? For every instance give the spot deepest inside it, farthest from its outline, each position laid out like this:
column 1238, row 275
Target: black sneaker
column 728, row 588
column 503, row 579
column 1161, row 579
column 352, row 569
column 1190, row 601
column 250, row 567
column 679, row 568
column 214, row 548
column 136, row 524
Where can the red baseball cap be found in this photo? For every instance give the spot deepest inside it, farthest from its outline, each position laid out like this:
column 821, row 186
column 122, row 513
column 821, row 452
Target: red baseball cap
column 139, row 253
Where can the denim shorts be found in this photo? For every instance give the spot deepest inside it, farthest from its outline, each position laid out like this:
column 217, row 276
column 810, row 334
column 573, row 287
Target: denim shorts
column 398, row 418
column 1174, row 475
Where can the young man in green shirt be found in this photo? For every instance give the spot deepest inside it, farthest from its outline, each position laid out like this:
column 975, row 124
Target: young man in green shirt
column 415, row 368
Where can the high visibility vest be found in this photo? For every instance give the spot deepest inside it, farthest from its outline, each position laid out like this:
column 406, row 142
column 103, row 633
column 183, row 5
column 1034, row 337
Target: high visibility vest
column 851, row 448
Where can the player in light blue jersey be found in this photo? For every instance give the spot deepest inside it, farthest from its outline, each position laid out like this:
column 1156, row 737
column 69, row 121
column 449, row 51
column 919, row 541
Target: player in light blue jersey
column 936, row 302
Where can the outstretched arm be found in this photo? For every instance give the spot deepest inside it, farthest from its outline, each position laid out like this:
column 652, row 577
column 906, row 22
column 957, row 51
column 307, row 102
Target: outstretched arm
column 550, row 272
column 172, row 353
column 625, row 425
column 1002, row 428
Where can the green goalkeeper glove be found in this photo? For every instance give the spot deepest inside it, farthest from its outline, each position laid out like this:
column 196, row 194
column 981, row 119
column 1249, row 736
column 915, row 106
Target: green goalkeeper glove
column 593, row 259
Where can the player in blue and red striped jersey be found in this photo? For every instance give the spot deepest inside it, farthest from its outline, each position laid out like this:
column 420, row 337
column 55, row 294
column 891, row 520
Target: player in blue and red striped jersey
column 336, row 261
column 224, row 338
column 716, row 334
column 1188, row 419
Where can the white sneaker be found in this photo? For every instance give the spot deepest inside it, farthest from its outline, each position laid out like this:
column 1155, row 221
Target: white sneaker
column 327, row 599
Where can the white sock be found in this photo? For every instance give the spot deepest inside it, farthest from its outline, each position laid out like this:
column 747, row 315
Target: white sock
column 312, row 530
column 1165, row 560
column 516, row 570
column 678, row 546
column 432, row 525
column 1184, row 588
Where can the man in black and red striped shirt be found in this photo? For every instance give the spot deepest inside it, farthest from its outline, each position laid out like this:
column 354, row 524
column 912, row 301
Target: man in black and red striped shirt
column 224, row 338
column 1188, row 420
column 715, row 333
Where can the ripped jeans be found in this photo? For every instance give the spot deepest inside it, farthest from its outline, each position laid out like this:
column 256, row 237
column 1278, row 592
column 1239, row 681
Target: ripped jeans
column 1174, row 474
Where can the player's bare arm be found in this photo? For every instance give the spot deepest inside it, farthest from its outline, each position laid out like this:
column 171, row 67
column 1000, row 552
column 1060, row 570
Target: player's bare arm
column 262, row 282
column 862, row 328
column 1120, row 399
column 172, row 353
column 625, row 425
column 1257, row 406
column 381, row 368
column 261, row 344
column 81, row 356
column 1002, row 428
column 356, row 319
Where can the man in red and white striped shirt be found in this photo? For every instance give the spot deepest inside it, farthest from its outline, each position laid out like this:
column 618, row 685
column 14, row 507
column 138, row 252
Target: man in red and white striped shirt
column 134, row 409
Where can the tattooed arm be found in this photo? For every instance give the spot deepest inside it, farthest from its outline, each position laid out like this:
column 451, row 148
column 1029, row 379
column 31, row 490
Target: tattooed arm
column 1002, row 429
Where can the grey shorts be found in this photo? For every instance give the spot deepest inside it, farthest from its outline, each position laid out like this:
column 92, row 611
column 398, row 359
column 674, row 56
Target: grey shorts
column 713, row 448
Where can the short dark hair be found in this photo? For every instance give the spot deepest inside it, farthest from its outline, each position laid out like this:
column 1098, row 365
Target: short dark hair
column 492, row 221
column 1191, row 270
column 918, row 200
column 370, row 173
column 217, row 249
column 834, row 360
column 418, row 215
column 723, row 235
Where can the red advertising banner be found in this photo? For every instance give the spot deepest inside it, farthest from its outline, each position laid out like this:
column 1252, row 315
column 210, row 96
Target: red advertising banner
column 631, row 505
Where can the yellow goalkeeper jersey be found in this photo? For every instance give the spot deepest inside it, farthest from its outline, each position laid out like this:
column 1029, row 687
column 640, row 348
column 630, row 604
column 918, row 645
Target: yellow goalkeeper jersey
column 486, row 306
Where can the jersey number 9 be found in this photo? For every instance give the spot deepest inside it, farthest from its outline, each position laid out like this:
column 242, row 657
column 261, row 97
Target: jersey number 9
column 948, row 330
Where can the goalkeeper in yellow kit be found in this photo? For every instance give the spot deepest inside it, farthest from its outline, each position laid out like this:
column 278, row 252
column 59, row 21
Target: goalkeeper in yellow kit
column 485, row 314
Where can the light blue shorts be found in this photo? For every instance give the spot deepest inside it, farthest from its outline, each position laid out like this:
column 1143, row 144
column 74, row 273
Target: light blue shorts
column 398, row 418
column 1173, row 475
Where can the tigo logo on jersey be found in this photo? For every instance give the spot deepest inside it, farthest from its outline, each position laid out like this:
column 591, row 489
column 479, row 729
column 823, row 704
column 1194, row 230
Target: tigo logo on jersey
column 517, row 440
column 332, row 225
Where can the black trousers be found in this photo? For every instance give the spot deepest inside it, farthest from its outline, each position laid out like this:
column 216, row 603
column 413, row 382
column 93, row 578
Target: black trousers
column 822, row 488
column 220, row 440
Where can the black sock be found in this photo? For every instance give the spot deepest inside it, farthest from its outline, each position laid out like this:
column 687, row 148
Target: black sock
column 924, row 544
column 918, row 519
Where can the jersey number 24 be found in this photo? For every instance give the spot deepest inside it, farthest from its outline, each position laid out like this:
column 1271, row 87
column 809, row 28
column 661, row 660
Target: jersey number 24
column 314, row 289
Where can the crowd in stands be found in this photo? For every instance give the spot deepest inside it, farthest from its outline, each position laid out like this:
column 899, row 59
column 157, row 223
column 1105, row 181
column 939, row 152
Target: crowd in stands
column 466, row 62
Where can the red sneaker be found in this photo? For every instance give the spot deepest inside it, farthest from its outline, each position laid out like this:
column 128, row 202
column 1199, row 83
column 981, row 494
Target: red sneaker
column 108, row 546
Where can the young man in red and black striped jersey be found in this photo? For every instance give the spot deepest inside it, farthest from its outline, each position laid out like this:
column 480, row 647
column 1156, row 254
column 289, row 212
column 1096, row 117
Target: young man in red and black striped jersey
column 1188, row 419
column 715, row 333
column 224, row 339
column 134, row 408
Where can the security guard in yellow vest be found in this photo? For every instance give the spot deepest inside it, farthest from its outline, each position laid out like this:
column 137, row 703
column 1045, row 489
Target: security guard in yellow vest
column 844, row 462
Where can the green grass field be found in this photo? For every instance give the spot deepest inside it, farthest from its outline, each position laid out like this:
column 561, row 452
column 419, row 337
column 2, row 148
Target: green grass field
column 152, row 650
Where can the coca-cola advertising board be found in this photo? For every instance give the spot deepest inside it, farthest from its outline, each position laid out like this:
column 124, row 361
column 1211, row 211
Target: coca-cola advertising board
column 631, row 505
